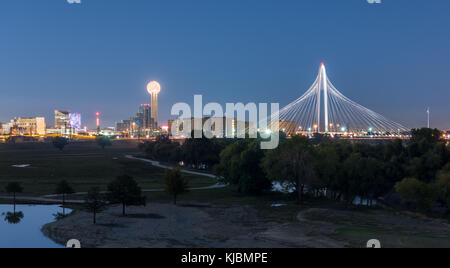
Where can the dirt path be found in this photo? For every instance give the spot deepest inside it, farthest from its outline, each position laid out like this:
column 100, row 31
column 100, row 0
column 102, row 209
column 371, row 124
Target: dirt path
column 42, row 199
column 157, row 164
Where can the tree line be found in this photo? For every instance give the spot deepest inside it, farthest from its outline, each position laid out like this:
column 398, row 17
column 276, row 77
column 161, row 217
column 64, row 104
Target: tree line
column 200, row 153
column 417, row 171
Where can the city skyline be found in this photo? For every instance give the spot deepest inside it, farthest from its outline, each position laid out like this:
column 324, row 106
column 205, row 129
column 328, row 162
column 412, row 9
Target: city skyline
column 202, row 126
column 265, row 54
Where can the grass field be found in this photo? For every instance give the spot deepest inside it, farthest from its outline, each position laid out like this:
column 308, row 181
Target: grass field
column 83, row 165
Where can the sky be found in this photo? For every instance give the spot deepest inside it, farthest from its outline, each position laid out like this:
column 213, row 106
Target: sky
column 100, row 54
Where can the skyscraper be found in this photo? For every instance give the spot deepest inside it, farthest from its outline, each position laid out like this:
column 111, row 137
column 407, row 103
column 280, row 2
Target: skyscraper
column 145, row 111
column 75, row 121
column 61, row 119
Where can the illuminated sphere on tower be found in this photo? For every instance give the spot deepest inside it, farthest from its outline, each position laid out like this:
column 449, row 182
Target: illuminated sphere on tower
column 153, row 87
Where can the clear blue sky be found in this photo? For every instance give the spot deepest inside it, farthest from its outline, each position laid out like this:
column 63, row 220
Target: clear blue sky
column 99, row 55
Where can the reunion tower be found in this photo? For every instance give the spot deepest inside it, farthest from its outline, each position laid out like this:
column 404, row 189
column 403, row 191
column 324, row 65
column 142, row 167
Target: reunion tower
column 153, row 89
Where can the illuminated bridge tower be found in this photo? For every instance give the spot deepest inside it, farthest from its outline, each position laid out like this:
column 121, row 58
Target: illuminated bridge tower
column 322, row 86
column 324, row 109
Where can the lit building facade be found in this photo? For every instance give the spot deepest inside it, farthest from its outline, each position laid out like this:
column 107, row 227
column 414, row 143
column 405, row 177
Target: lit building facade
column 28, row 126
column 62, row 119
column 6, row 129
column 123, row 126
column 145, row 113
column 140, row 125
column 75, row 121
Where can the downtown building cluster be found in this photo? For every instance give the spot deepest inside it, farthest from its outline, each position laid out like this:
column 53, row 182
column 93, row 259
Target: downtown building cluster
column 142, row 124
column 66, row 123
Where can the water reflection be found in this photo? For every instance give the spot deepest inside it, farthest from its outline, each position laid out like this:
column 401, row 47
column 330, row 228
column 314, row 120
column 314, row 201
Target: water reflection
column 22, row 229
column 13, row 217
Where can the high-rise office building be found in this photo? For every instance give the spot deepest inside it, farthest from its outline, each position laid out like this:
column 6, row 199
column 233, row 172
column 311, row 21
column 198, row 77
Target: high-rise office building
column 62, row 119
column 75, row 121
column 5, row 129
column 123, row 126
column 145, row 116
column 28, row 126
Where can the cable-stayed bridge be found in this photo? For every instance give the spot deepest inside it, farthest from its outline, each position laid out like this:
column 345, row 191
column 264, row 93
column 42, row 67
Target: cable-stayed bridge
column 323, row 109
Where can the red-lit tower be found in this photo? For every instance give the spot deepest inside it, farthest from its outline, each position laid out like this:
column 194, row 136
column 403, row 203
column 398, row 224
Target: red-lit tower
column 97, row 114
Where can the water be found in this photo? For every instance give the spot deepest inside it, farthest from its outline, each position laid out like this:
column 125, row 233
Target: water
column 26, row 231
column 365, row 202
column 286, row 188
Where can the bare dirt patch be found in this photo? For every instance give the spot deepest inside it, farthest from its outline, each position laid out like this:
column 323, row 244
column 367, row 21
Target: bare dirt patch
column 163, row 225
column 201, row 225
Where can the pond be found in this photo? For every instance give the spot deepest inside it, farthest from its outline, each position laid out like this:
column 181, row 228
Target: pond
column 22, row 229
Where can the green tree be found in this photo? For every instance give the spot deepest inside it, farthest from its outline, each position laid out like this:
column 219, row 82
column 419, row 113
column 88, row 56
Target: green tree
column 443, row 184
column 412, row 190
column 229, row 166
column 63, row 188
column 60, row 142
column 394, row 157
column 200, row 152
column 372, row 180
column 125, row 190
column 95, row 202
column 163, row 149
column 175, row 183
column 103, row 141
column 240, row 164
column 326, row 166
column 349, row 181
column 292, row 163
column 427, row 136
column 14, row 188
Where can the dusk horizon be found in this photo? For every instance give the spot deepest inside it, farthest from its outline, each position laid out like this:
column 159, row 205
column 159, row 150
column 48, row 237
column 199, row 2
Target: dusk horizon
column 96, row 57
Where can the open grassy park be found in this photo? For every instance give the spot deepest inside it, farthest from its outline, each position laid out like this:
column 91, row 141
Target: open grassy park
column 219, row 217
column 82, row 164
